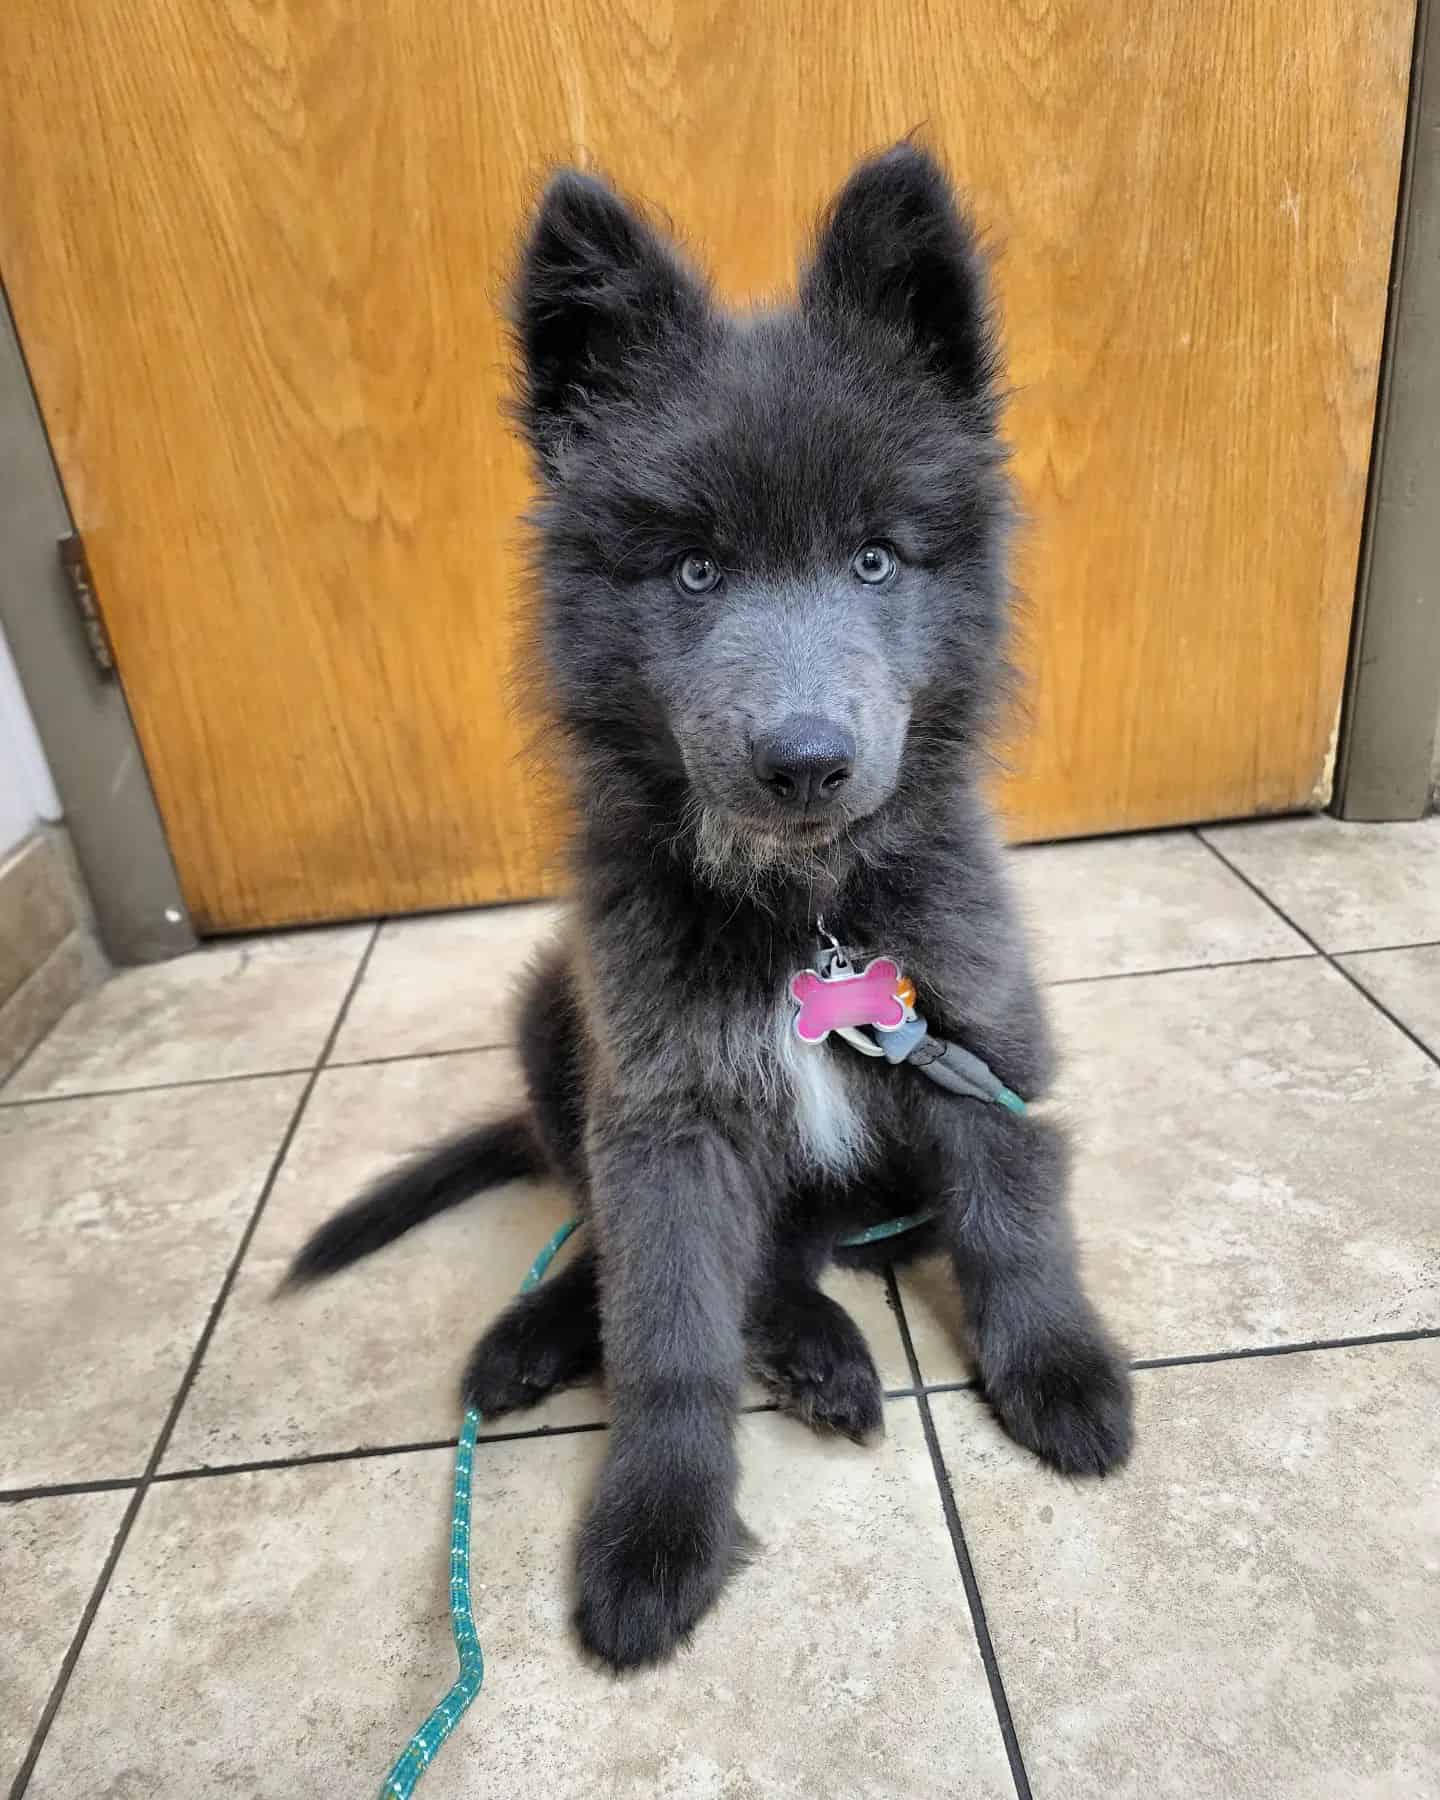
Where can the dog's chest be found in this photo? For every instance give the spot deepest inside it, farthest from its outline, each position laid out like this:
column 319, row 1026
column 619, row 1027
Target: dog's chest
column 831, row 1132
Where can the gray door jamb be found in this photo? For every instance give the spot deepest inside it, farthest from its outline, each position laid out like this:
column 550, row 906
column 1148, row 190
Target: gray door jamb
column 84, row 724
column 1392, row 706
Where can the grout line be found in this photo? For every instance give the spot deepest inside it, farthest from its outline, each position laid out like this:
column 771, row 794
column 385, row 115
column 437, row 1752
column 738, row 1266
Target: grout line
column 369, row 1452
column 998, row 1696
column 77, row 1644
column 1386, row 949
column 307, row 1460
column 1419, row 1335
column 201, row 1081
column 1232, row 962
column 371, row 1062
column 182, row 1393
column 1331, row 957
column 1380, row 1007
column 56, row 1489
column 153, row 1087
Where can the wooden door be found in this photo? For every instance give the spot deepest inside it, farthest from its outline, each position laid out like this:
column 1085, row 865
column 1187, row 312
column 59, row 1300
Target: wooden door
column 254, row 249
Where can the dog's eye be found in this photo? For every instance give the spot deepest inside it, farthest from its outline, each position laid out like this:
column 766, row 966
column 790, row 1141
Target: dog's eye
column 697, row 573
column 873, row 563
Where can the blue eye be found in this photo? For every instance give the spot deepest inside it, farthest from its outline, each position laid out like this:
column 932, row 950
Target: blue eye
column 697, row 573
column 873, row 564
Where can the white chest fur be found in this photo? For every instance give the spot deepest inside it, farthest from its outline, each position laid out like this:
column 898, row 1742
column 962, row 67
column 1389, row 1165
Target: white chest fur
column 830, row 1128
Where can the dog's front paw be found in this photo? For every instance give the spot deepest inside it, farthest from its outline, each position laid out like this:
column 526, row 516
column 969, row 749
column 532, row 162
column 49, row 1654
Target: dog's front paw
column 1070, row 1404
column 815, row 1361
column 650, row 1566
column 523, row 1357
column 504, row 1374
column 846, row 1401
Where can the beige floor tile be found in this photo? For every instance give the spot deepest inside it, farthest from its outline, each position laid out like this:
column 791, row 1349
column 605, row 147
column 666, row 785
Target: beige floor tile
column 864, row 1298
column 51, row 1553
column 230, row 1009
column 1117, row 906
column 374, row 1356
column 936, row 1319
column 1256, row 1164
column 1408, row 982
column 1249, row 1610
column 1352, row 887
column 444, row 983
column 842, row 1662
column 118, row 1219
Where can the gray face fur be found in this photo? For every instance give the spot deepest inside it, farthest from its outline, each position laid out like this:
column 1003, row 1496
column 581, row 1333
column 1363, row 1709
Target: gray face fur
column 807, row 647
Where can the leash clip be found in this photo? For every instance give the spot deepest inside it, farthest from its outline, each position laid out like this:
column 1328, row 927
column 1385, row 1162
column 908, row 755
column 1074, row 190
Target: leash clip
column 832, row 959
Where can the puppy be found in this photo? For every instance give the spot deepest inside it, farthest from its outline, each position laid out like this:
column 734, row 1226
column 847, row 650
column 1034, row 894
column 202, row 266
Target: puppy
column 771, row 573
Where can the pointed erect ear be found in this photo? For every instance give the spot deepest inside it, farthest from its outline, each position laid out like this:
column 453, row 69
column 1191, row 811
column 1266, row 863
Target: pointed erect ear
column 597, row 287
column 894, row 247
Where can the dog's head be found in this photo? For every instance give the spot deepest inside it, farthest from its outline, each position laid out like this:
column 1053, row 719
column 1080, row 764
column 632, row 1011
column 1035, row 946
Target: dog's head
column 772, row 544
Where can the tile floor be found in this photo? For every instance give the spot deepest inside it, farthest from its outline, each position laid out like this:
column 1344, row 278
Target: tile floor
column 223, row 1531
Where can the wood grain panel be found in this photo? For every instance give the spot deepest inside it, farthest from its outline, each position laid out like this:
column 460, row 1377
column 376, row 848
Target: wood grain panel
column 254, row 252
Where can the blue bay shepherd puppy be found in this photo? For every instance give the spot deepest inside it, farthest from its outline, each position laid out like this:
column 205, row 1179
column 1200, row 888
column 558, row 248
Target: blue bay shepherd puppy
column 771, row 556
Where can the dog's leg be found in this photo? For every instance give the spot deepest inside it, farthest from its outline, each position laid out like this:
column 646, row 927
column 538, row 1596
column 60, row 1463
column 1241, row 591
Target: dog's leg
column 679, row 1219
column 550, row 1055
column 809, row 1352
column 1052, row 1375
column 549, row 1338
column 546, row 1339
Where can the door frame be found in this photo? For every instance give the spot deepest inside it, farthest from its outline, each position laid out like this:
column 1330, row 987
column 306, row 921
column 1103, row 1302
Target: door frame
column 1390, row 731
column 80, row 714
column 1387, row 747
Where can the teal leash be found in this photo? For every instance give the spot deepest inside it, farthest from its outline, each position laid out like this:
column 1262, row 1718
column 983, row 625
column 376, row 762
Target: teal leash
column 423, row 1748
column 891, row 1228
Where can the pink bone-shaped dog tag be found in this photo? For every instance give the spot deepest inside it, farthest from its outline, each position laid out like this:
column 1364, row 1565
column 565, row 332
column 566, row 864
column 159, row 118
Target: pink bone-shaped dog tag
column 866, row 997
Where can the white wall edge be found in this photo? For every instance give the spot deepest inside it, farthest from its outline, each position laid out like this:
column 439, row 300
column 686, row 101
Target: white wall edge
column 23, row 768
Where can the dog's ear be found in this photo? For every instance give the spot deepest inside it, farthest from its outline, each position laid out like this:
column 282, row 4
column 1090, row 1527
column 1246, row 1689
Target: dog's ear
column 895, row 247
column 597, row 287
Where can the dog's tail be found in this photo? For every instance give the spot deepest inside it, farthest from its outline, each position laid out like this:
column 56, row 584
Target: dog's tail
column 480, row 1158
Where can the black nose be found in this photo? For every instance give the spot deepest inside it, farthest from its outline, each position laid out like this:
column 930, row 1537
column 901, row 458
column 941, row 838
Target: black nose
column 806, row 762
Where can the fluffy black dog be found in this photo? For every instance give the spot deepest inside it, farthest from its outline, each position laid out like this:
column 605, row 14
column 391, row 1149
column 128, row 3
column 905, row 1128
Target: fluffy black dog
column 773, row 596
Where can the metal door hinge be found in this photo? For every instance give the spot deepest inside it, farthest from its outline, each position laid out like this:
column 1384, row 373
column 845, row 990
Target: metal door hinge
column 76, row 565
